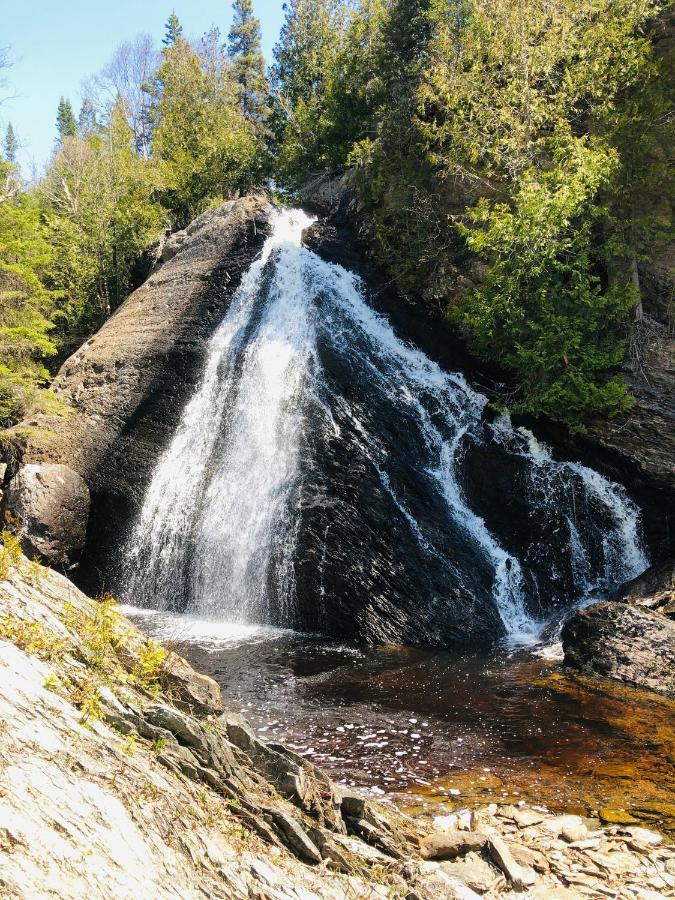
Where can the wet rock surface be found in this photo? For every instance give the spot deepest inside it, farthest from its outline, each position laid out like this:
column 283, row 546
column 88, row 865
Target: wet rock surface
column 654, row 589
column 623, row 642
column 131, row 794
column 126, row 385
column 50, row 504
column 636, row 449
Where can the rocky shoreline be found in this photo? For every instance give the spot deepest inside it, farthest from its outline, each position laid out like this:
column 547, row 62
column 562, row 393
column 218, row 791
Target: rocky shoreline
column 120, row 768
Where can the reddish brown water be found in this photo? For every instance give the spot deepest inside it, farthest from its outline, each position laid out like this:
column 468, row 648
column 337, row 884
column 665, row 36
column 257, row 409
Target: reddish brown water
column 428, row 727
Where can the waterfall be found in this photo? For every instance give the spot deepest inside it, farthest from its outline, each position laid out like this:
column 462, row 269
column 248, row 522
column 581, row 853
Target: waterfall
column 324, row 463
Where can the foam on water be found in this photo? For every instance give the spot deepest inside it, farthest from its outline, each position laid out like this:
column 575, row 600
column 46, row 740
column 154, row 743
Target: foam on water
column 209, row 634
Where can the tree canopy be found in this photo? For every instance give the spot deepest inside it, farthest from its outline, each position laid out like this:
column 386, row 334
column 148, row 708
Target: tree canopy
column 512, row 155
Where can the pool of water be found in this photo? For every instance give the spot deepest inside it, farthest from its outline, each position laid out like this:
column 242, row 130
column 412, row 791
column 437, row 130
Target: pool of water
column 426, row 728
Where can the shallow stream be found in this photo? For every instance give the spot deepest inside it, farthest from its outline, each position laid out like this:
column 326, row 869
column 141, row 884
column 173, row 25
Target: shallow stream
column 428, row 728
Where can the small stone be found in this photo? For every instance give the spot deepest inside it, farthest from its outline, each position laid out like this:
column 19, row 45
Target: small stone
column 588, row 844
column 525, row 818
column 294, row 835
column 556, row 825
column 189, row 690
column 182, row 726
column 519, row 876
column 573, row 831
column 528, row 857
column 473, row 871
column 450, row 844
column 353, row 804
column 445, row 823
column 644, row 835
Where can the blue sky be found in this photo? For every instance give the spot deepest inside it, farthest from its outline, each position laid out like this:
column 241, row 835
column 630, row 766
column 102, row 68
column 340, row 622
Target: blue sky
column 55, row 45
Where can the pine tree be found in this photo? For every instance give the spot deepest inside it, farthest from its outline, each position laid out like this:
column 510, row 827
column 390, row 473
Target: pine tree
column 244, row 48
column 11, row 144
column 174, row 30
column 203, row 146
column 86, row 121
column 406, row 31
column 307, row 56
column 66, row 124
column 25, row 305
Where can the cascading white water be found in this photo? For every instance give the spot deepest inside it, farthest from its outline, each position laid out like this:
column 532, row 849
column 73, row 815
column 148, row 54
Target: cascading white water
column 219, row 522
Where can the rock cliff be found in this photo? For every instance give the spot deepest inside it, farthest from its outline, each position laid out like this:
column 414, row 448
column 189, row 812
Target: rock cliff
column 126, row 386
column 631, row 637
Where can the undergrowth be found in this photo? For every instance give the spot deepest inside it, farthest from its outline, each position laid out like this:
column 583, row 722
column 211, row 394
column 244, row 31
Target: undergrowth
column 33, row 638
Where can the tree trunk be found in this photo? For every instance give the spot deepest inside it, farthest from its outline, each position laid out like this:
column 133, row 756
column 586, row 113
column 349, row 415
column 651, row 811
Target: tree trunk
column 635, row 280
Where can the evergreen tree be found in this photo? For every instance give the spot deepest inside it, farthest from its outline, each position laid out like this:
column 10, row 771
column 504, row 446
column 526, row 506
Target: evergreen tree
column 173, row 30
column 307, row 58
column 86, row 121
column 66, row 124
column 25, row 305
column 244, row 47
column 204, row 148
column 11, row 144
column 406, row 29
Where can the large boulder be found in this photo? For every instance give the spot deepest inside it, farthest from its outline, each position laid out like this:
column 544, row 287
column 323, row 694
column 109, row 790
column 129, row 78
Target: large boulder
column 127, row 385
column 51, row 504
column 624, row 642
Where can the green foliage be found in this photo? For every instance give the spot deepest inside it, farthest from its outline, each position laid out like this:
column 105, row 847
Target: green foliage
column 513, row 106
column 149, row 666
column 531, row 136
column 204, row 149
column 10, row 553
column 130, row 743
column 159, row 139
column 87, row 698
column 308, row 59
column 99, row 215
column 542, row 311
column 11, row 144
column 66, row 124
column 32, row 638
column 245, row 51
column 26, row 306
column 173, row 30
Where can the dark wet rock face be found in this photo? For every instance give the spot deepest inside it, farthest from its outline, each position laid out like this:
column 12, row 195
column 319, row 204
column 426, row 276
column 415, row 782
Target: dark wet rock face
column 623, row 642
column 637, row 449
column 127, row 385
column 50, row 505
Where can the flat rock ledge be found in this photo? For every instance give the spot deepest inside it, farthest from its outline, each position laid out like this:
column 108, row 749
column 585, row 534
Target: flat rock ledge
column 122, row 775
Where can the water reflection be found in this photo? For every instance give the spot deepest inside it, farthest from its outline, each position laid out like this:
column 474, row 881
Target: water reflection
column 435, row 726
